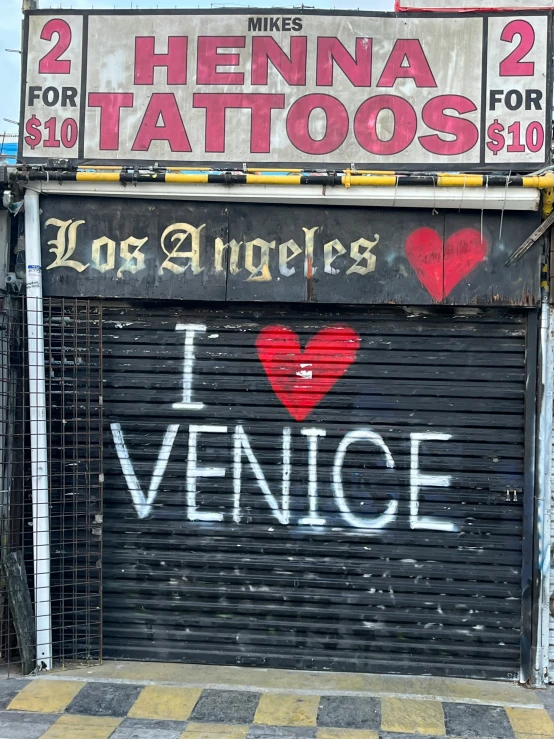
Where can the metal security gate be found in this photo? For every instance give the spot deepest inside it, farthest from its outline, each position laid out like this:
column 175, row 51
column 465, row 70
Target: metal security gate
column 318, row 488
column 73, row 372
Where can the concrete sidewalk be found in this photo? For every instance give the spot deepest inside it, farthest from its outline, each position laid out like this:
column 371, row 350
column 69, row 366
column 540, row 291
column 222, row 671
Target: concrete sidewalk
column 135, row 700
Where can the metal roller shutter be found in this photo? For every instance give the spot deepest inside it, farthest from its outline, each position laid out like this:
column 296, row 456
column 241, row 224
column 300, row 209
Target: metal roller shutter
column 396, row 435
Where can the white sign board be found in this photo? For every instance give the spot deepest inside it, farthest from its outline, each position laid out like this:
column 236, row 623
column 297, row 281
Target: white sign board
column 311, row 89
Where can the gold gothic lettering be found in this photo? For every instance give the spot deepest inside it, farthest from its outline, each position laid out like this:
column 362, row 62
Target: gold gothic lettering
column 328, row 255
column 260, row 273
column 182, row 231
column 134, row 260
column 359, row 256
column 309, row 268
column 233, row 262
column 96, row 252
column 285, row 257
column 257, row 253
column 64, row 244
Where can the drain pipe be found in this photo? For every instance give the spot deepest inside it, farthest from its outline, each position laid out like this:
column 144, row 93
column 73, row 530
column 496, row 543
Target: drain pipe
column 39, row 460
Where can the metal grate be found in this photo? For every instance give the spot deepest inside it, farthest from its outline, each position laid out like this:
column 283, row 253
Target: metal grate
column 73, row 374
column 12, row 513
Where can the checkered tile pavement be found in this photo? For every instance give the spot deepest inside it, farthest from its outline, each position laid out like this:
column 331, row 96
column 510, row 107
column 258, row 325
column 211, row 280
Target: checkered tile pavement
column 70, row 709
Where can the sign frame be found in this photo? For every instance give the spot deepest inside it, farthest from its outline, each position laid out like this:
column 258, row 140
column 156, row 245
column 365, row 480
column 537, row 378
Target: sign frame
column 223, row 164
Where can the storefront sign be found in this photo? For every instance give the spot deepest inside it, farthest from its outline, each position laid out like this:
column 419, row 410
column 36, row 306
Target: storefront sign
column 310, row 89
column 109, row 247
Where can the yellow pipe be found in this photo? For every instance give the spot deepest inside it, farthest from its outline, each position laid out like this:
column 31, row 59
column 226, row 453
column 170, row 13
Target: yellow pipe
column 97, row 176
column 198, row 178
column 293, row 177
column 371, row 180
column 460, row 180
column 200, row 168
column 262, row 179
column 250, row 170
column 542, row 182
column 547, row 202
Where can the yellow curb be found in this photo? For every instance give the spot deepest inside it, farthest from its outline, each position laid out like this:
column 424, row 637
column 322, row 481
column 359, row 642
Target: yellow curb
column 528, row 722
column 43, row 696
column 82, row 727
column 407, row 716
column 260, row 680
column 287, row 710
column 162, row 702
column 346, row 734
column 209, row 731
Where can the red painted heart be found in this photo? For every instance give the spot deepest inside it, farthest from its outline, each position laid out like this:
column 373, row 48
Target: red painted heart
column 300, row 379
column 440, row 268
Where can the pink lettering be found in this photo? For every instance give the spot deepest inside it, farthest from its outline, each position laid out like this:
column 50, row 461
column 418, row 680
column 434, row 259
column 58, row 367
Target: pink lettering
column 162, row 106
column 404, row 127
column 209, row 59
column 175, row 61
column 260, row 106
column 407, row 60
column 298, row 120
column 110, row 104
column 434, row 116
column 357, row 68
column 291, row 68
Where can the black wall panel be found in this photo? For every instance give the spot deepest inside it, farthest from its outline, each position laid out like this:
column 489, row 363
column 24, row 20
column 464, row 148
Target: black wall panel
column 208, row 251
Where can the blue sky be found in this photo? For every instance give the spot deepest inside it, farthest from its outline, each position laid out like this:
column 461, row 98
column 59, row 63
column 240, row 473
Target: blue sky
column 10, row 32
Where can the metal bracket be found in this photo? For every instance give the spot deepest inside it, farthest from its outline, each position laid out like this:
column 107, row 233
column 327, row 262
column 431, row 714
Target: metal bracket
column 535, row 236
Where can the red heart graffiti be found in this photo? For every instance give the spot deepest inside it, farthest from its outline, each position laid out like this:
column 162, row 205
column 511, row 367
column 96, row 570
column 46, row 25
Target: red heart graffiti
column 300, row 379
column 438, row 269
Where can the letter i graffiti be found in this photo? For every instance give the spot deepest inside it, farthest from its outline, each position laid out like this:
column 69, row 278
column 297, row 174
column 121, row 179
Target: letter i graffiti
column 312, row 519
column 190, row 330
